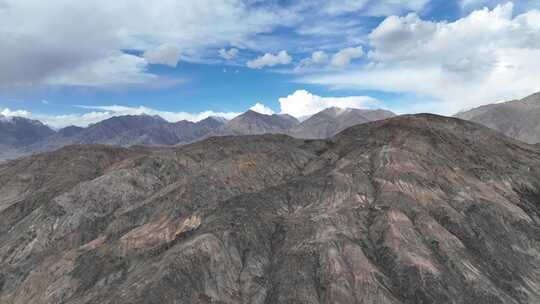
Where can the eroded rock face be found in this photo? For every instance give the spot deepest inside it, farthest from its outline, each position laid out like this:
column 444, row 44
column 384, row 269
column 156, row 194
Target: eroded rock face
column 413, row 209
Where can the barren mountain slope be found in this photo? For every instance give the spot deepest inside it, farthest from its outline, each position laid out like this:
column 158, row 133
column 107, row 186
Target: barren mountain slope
column 519, row 119
column 412, row 209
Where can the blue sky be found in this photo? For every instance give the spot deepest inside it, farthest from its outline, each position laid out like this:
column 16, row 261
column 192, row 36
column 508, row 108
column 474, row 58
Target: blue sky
column 190, row 59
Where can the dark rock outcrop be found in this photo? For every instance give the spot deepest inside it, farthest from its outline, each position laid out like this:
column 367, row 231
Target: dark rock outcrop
column 412, row 209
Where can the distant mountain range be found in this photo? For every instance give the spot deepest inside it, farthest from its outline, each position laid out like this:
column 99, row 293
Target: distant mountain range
column 519, row 119
column 21, row 136
column 17, row 133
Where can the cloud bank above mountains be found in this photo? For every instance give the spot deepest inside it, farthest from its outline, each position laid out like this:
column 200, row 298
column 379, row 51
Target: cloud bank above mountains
column 299, row 104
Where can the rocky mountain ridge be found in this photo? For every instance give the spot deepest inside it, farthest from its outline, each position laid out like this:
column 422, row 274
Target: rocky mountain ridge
column 411, row 209
column 154, row 130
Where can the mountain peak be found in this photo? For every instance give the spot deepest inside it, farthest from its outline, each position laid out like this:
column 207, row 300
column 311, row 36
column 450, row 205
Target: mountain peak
column 251, row 113
column 331, row 121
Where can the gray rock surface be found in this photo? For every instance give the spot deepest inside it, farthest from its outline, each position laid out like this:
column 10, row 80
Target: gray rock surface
column 519, row 119
column 412, row 209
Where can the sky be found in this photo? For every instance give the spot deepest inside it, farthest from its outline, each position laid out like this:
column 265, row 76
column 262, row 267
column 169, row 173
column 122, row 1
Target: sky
column 70, row 62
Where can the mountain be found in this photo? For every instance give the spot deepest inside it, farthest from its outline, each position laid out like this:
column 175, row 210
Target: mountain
column 411, row 209
column 16, row 132
column 253, row 123
column 153, row 130
column 518, row 119
column 130, row 130
column 19, row 131
column 331, row 121
column 70, row 131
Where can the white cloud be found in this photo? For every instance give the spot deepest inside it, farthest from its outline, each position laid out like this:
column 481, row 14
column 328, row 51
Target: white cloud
column 343, row 58
column 268, row 59
column 165, row 54
column 116, row 69
column 260, row 108
column 104, row 112
column 319, row 57
column 228, row 54
column 60, row 36
column 316, row 58
column 302, row 103
column 487, row 56
column 19, row 113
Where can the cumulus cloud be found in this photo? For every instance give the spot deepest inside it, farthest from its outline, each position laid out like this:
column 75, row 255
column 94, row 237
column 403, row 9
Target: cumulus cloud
column 100, row 113
column 303, row 103
column 344, row 57
column 228, row 54
column 484, row 57
column 268, row 59
column 316, row 58
column 165, row 54
column 260, row 108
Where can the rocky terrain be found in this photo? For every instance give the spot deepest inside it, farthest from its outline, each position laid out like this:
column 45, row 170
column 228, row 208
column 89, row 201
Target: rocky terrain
column 518, row 119
column 412, row 209
column 27, row 136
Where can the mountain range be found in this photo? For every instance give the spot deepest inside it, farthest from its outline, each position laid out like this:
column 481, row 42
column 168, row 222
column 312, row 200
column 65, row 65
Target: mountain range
column 29, row 136
column 410, row 209
column 519, row 119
